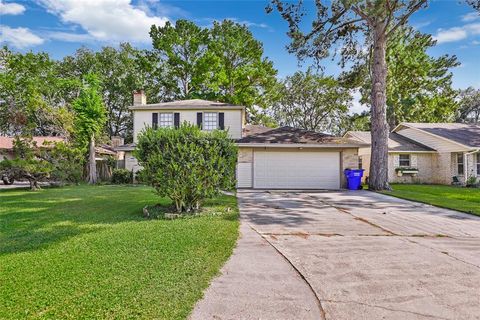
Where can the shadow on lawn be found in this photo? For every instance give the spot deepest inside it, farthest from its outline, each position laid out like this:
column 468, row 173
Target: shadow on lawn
column 35, row 220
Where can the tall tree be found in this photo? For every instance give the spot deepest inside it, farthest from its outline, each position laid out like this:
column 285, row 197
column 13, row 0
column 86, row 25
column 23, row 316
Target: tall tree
column 90, row 118
column 121, row 71
column 338, row 23
column 469, row 106
column 182, row 47
column 419, row 87
column 239, row 72
column 312, row 102
column 34, row 97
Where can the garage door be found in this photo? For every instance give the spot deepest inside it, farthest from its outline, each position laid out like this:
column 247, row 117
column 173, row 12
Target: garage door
column 296, row 170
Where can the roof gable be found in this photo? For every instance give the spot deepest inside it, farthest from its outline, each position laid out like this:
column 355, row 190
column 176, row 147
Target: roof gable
column 460, row 133
column 396, row 142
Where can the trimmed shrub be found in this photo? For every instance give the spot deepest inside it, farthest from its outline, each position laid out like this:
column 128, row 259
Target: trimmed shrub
column 187, row 165
column 122, row 176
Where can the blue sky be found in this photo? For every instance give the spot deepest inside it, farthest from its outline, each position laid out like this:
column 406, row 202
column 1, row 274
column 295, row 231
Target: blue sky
column 59, row 27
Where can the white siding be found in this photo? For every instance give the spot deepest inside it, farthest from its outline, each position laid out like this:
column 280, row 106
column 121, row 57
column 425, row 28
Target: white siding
column 131, row 163
column 244, row 175
column 439, row 144
column 296, row 170
column 233, row 120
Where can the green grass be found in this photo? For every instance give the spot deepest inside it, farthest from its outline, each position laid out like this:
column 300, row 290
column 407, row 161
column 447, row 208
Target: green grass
column 86, row 252
column 457, row 198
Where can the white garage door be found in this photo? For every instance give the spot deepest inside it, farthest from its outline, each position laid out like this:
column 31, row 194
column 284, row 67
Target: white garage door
column 296, row 170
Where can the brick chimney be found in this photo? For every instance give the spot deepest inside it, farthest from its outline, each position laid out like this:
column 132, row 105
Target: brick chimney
column 139, row 98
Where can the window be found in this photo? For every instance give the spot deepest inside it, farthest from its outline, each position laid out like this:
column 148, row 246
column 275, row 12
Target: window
column 360, row 163
column 460, row 166
column 404, row 160
column 210, row 121
column 478, row 164
column 165, row 120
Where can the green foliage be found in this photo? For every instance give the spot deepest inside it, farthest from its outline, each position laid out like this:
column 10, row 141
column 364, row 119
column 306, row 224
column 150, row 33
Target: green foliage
column 356, row 122
column 122, row 176
column 67, row 162
column 121, row 71
column 452, row 197
column 90, row 113
column 182, row 47
column 469, row 106
column 419, row 86
column 26, row 165
column 224, row 63
column 35, row 95
column 239, row 74
column 186, row 164
column 312, row 102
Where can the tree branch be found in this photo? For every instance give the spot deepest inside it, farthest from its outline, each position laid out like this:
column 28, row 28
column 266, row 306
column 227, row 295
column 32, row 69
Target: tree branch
column 406, row 16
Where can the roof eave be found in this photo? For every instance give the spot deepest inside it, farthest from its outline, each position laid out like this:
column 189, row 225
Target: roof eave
column 434, row 135
column 157, row 107
column 299, row 145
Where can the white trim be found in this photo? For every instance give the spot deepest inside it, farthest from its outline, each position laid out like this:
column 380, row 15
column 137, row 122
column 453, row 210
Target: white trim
column 431, row 134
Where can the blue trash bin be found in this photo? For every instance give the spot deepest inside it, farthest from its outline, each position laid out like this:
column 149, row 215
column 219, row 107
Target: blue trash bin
column 354, row 178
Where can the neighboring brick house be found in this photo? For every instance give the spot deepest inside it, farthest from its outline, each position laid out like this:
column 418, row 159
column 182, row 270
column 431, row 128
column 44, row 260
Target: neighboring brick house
column 281, row 158
column 428, row 152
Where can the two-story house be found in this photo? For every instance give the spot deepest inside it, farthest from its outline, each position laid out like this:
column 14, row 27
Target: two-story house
column 280, row 158
column 428, row 152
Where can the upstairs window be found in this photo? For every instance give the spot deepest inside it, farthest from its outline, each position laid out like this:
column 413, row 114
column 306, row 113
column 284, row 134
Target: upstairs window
column 210, row 121
column 404, row 160
column 460, row 164
column 165, row 120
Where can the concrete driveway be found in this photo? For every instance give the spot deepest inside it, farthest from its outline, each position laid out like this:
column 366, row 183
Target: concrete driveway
column 347, row 255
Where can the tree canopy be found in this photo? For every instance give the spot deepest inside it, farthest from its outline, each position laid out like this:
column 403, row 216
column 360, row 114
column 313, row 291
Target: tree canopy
column 223, row 63
column 419, row 86
column 312, row 102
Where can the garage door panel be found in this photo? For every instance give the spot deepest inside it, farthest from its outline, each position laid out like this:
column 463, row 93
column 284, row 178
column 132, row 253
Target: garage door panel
column 296, row 170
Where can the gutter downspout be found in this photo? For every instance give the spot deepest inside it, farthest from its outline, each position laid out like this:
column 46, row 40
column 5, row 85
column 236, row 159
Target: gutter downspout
column 465, row 161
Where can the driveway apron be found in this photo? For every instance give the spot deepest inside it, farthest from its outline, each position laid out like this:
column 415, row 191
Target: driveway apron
column 364, row 256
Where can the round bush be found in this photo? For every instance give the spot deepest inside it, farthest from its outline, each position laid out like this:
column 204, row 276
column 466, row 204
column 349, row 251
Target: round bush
column 122, row 176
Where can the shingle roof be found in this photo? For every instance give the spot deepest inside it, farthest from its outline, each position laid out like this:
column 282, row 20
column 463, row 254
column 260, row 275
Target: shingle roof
column 250, row 129
column 126, row 147
column 289, row 135
column 466, row 134
column 396, row 142
column 187, row 104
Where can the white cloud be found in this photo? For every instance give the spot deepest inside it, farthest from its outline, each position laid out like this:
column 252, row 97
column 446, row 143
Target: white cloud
column 11, row 8
column 70, row 37
column 19, row 38
column 357, row 106
column 473, row 28
column 106, row 20
column 476, row 42
column 471, row 16
column 450, row 35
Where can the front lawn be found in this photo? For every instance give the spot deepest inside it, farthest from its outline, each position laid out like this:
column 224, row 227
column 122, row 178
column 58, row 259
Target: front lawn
column 86, row 252
column 457, row 198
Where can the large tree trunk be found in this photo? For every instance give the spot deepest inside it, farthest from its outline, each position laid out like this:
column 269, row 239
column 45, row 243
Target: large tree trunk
column 378, row 179
column 92, row 166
